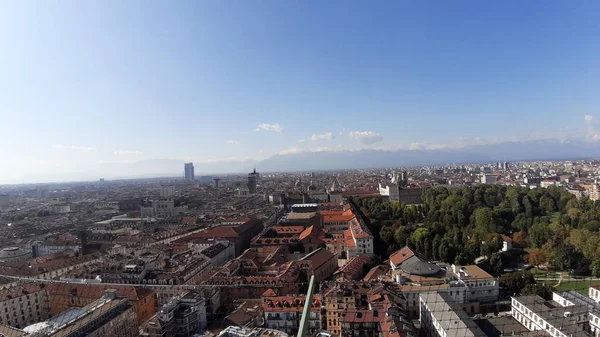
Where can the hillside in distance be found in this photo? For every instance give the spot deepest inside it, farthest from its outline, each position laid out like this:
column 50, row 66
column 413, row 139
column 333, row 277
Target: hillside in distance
column 507, row 151
column 366, row 158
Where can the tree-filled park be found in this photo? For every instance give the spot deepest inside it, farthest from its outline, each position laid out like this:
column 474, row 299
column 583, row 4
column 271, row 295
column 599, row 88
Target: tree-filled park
column 549, row 226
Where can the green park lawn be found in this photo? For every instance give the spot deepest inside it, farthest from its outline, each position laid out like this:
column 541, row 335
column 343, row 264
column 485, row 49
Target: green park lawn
column 580, row 286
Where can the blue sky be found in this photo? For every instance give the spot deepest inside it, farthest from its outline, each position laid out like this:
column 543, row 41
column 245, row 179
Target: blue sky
column 84, row 83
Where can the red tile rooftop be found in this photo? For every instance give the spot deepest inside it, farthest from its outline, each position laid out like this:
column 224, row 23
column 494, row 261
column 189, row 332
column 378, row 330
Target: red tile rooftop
column 363, row 316
column 290, row 303
column 337, row 218
column 354, row 265
column 269, row 293
column 18, row 291
column 350, row 242
column 401, row 255
column 377, row 272
column 358, row 231
column 288, row 229
column 313, row 231
column 318, row 257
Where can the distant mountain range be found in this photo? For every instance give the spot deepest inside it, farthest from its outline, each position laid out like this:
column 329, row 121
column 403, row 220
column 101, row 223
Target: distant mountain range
column 507, row 151
column 334, row 160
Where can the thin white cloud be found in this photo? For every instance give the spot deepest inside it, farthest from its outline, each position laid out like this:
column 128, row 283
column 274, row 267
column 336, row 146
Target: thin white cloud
column 127, row 152
column 296, row 149
column 301, row 140
column 291, row 150
column 592, row 132
column 232, row 142
column 426, row 146
column 73, row 148
column 269, row 127
column 223, row 160
column 366, row 137
column 324, row 136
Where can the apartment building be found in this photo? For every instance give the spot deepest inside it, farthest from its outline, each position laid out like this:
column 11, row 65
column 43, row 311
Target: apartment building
column 107, row 316
column 62, row 296
column 440, row 316
column 594, row 293
column 162, row 209
column 22, row 305
column 182, row 316
column 570, row 298
column 483, row 287
column 285, row 312
column 558, row 320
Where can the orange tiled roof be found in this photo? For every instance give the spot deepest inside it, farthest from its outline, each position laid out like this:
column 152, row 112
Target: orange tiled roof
column 269, row 293
column 217, row 232
column 349, row 240
column 313, row 231
column 376, row 272
column 363, row 316
column 290, row 303
column 319, row 257
column 401, row 255
column 18, row 291
column 358, row 231
column 324, row 213
column 337, row 218
column 288, row 229
column 354, row 265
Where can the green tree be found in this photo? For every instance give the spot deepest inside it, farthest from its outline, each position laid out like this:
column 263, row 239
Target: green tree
column 566, row 257
column 401, row 234
column 461, row 259
column 539, row 234
column 496, row 265
column 548, row 204
column 487, row 249
column 596, row 268
column 435, row 244
column 418, row 237
column 446, row 252
column 513, row 283
column 542, row 290
column 386, row 235
column 592, row 226
column 483, row 220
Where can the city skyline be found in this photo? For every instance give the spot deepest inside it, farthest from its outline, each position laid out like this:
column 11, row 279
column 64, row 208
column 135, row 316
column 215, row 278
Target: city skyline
column 111, row 84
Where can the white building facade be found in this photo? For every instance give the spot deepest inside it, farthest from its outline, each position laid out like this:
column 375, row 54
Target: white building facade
column 162, row 209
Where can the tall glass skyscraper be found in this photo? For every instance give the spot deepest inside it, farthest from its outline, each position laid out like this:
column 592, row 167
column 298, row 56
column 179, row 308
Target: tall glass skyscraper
column 188, row 170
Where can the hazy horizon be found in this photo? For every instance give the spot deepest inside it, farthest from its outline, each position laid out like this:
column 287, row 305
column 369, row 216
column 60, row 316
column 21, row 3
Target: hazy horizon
column 334, row 160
